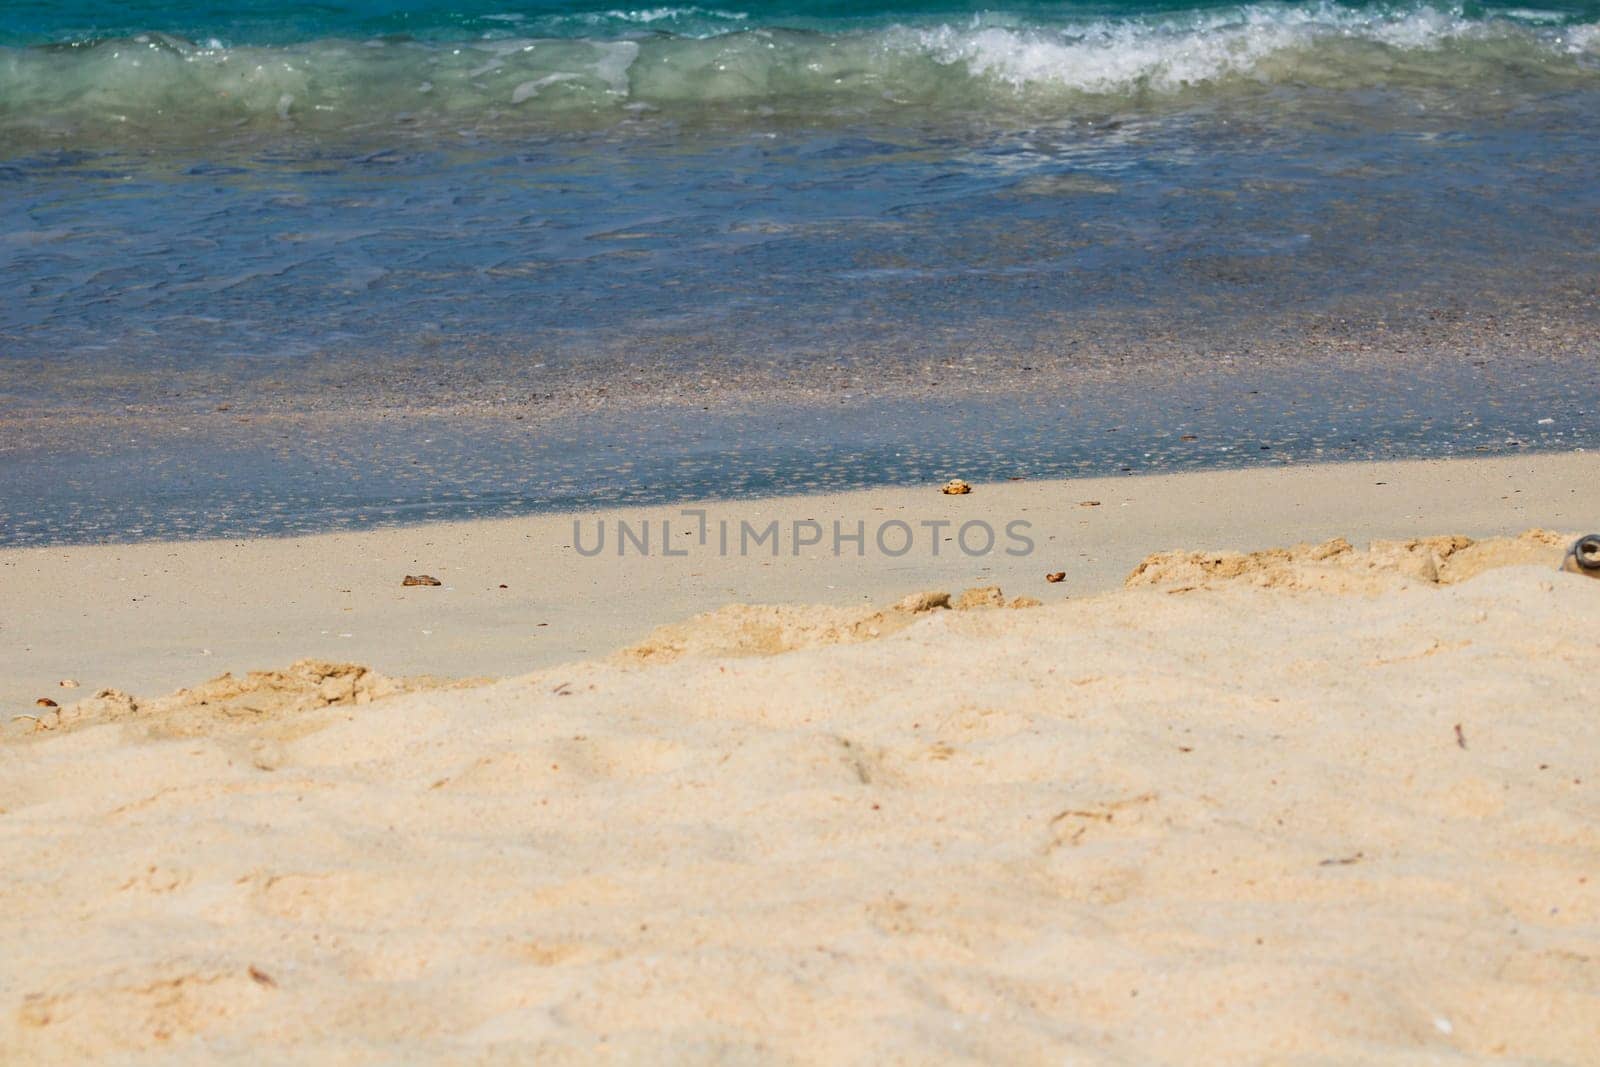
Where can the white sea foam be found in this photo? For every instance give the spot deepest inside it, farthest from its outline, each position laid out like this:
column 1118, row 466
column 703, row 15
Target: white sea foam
column 661, row 14
column 1582, row 39
column 155, row 83
column 1108, row 56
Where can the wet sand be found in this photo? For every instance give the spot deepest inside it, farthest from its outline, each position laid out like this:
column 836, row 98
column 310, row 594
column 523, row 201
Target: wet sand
column 151, row 617
column 106, row 451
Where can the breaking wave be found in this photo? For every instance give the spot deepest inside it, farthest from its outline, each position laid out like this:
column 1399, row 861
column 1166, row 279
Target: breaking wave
column 162, row 86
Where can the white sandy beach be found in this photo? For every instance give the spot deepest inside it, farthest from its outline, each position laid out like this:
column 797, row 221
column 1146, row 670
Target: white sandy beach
column 1324, row 805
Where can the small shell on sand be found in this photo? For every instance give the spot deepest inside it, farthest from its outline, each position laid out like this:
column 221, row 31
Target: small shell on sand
column 421, row 579
column 955, row 487
column 68, row 683
column 1056, row 576
column 46, row 702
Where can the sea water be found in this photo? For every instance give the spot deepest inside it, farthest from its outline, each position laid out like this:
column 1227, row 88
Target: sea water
column 412, row 205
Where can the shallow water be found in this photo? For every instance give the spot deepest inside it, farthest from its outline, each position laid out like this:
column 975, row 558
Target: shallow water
column 394, row 207
column 208, row 473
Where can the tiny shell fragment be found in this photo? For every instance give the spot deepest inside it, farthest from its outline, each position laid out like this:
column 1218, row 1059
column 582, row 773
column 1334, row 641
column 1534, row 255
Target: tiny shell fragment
column 1056, row 576
column 955, row 487
column 421, row 579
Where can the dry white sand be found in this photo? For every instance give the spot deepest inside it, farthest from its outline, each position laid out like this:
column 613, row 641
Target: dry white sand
column 1311, row 806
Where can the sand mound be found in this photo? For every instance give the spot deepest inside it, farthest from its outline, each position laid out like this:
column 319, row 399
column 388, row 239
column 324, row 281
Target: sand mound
column 1241, row 825
column 767, row 629
column 1333, row 566
column 1336, row 565
column 285, row 698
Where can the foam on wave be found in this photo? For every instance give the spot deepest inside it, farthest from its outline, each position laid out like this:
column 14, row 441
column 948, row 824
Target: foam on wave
column 155, row 85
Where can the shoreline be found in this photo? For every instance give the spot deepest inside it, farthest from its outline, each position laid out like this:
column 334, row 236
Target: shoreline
column 1300, row 806
column 153, row 616
column 232, row 470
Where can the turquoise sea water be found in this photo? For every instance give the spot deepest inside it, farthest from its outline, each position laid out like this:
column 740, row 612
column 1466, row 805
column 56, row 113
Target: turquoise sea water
column 488, row 205
column 89, row 70
column 277, row 21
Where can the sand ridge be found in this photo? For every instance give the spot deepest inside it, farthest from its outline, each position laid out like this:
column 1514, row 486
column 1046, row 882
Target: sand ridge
column 1336, row 565
column 770, row 629
column 282, row 702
